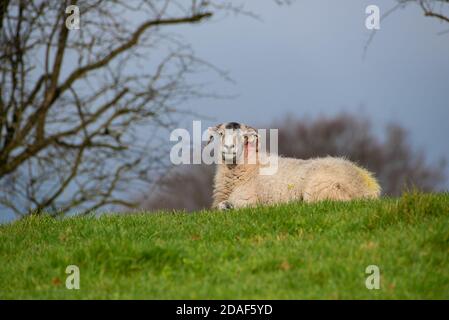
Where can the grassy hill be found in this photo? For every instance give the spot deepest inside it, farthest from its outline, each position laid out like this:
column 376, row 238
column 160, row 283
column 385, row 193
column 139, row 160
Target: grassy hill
column 293, row 251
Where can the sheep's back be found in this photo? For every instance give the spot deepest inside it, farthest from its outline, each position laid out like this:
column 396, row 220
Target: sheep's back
column 286, row 184
column 294, row 177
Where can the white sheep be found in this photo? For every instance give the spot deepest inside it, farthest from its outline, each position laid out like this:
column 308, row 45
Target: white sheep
column 239, row 185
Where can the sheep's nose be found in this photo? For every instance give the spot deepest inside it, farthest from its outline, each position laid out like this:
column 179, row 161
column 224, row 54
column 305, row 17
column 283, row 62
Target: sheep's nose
column 228, row 147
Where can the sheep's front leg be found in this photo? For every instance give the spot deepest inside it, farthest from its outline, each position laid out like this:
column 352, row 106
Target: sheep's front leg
column 238, row 199
column 234, row 204
column 228, row 205
column 242, row 200
column 225, row 205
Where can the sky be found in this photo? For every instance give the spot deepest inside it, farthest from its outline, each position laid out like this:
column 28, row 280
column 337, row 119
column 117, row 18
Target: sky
column 307, row 60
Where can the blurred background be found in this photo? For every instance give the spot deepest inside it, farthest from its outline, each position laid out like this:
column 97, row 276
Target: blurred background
column 86, row 113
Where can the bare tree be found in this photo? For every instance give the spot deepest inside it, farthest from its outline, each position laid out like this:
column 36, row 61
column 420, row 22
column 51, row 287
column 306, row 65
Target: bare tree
column 397, row 165
column 438, row 9
column 433, row 8
column 74, row 104
column 186, row 188
column 394, row 161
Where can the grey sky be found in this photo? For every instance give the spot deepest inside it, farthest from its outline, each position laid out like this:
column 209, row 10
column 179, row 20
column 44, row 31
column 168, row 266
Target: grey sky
column 307, row 59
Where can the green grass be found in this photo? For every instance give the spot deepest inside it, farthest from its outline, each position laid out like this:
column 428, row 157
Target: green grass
column 294, row 251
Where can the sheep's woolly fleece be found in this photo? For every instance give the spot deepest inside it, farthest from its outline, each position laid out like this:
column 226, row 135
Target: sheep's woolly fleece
column 329, row 178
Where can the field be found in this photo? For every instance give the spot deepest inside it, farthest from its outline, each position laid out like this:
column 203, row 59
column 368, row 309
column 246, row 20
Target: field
column 294, row 251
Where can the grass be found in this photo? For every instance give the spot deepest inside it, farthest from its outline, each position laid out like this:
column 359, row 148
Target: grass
column 294, row 251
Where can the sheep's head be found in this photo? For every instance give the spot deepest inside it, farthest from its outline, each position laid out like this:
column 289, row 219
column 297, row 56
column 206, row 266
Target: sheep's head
column 236, row 141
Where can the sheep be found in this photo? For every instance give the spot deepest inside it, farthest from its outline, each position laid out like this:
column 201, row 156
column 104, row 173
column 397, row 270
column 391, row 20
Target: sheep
column 238, row 185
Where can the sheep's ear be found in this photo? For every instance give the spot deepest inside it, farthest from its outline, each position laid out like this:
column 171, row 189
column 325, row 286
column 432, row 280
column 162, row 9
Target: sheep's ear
column 251, row 134
column 211, row 132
